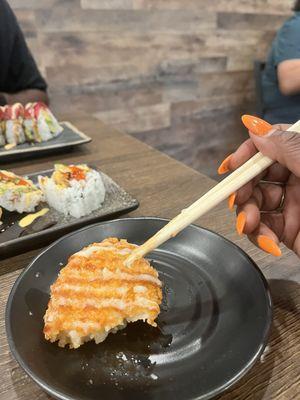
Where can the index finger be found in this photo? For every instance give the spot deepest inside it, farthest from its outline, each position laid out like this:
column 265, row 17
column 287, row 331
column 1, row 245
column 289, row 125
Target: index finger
column 247, row 150
column 244, row 152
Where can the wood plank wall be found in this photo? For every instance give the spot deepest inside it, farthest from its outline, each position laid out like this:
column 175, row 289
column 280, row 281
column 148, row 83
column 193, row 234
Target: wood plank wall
column 175, row 73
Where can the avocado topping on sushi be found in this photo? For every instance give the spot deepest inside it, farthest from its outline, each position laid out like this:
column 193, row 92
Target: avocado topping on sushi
column 18, row 193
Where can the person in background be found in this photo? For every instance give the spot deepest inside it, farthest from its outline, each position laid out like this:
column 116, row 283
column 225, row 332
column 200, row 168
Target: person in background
column 281, row 77
column 20, row 79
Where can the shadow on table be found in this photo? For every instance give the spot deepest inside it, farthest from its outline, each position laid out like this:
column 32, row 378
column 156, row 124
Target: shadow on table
column 286, row 306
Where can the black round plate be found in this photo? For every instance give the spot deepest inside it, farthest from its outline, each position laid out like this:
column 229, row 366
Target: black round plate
column 213, row 326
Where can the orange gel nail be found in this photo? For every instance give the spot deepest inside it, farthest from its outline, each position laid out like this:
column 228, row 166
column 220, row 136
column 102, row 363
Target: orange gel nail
column 241, row 222
column 268, row 245
column 223, row 168
column 231, row 201
column 256, row 125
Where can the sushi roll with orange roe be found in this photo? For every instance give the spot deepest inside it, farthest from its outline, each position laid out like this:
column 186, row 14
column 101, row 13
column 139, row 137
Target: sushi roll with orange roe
column 74, row 190
column 18, row 193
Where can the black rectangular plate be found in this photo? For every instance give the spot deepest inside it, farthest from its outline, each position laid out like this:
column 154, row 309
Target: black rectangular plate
column 117, row 201
column 70, row 137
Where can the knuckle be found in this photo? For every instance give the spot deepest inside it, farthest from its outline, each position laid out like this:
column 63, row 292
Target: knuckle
column 290, row 141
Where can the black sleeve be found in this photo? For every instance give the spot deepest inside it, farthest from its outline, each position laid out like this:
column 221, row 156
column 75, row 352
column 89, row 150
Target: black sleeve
column 18, row 70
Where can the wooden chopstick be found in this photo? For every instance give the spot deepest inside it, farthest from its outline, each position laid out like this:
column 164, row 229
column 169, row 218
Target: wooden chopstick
column 244, row 174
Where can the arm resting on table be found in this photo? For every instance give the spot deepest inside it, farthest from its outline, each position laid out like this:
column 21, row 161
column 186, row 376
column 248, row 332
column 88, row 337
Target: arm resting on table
column 26, row 96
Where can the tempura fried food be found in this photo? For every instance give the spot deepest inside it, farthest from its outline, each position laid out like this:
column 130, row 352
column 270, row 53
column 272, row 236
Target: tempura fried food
column 95, row 294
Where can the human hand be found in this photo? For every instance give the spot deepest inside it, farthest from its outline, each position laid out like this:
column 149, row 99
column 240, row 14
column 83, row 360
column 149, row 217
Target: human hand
column 268, row 207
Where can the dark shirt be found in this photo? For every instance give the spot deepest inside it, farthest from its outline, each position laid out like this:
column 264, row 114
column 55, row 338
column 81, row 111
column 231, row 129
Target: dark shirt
column 286, row 46
column 18, row 70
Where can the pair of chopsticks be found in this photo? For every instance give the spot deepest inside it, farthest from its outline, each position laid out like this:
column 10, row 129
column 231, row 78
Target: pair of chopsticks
column 244, row 174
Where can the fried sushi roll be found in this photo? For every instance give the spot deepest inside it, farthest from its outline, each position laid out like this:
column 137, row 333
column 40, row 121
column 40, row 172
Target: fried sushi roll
column 95, row 294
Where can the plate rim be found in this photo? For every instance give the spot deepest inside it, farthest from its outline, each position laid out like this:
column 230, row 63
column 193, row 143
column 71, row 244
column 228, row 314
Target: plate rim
column 34, row 149
column 60, row 396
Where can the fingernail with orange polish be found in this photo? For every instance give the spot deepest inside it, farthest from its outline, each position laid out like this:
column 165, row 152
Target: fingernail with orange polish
column 256, row 125
column 231, row 201
column 268, row 245
column 224, row 167
column 241, row 222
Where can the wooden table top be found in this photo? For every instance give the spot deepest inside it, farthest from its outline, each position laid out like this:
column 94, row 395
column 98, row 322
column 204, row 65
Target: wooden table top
column 164, row 186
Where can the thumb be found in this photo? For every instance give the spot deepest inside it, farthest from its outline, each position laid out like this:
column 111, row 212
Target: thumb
column 280, row 146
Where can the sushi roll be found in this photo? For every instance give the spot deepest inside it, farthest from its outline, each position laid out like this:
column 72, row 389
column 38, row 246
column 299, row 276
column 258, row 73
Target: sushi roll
column 2, row 127
column 13, row 116
column 34, row 124
column 73, row 190
column 30, row 125
column 48, row 127
column 18, row 193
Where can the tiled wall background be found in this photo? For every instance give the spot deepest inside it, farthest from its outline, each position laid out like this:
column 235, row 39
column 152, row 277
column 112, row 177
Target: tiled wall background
column 175, row 73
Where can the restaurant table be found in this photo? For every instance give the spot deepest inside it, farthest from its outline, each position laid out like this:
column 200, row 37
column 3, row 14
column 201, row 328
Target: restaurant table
column 163, row 187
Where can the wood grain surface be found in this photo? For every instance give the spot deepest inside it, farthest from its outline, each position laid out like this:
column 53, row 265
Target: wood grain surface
column 163, row 187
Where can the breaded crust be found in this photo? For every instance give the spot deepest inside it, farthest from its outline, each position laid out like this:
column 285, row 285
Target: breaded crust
column 95, row 294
